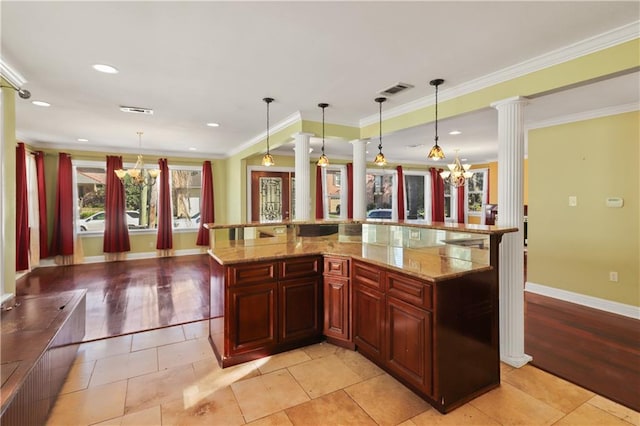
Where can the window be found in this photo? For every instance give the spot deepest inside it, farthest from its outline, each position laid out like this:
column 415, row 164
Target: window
column 450, row 203
column 417, row 199
column 141, row 202
column 335, row 198
column 380, row 191
column 186, row 185
column 476, row 192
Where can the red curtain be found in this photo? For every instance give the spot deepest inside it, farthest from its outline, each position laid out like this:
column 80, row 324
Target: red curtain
column 461, row 201
column 62, row 240
column 42, row 205
column 350, row 190
column 165, row 236
column 22, row 210
column 400, row 193
column 437, row 196
column 319, row 203
column 207, row 211
column 116, row 231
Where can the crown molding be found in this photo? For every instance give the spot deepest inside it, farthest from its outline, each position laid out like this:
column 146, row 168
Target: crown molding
column 10, row 74
column 573, row 51
column 293, row 118
column 581, row 116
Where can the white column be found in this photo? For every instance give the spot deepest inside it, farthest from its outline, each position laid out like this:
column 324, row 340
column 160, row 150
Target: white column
column 359, row 179
column 511, row 214
column 302, row 168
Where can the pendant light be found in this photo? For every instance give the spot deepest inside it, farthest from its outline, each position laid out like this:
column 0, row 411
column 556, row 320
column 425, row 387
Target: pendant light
column 436, row 152
column 138, row 175
column 323, row 161
column 380, row 160
column 267, row 159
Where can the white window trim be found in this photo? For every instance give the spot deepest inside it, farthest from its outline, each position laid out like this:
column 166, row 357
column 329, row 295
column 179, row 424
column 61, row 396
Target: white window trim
column 394, row 188
column 427, row 191
column 343, row 192
column 485, row 185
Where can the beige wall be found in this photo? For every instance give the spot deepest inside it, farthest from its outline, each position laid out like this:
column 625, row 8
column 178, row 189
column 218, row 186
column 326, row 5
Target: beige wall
column 575, row 248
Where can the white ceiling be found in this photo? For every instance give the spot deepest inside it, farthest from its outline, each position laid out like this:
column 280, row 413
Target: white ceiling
column 197, row 62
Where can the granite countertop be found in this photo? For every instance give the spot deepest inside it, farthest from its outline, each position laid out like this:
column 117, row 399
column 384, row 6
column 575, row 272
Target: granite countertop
column 431, row 263
column 456, row 227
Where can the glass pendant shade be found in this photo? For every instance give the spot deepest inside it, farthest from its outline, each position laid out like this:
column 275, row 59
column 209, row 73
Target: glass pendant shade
column 458, row 174
column 380, row 160
column 436, row 152
column 267, row 159
column 323, row 161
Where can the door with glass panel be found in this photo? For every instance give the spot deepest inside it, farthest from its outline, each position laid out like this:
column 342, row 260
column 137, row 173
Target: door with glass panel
column 271, row 195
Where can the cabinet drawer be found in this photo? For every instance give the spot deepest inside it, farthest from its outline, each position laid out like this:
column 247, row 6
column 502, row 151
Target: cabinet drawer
column 418, row 293
column 298, row 267
column 252, row 273
column 369, row 275
column 336, row 266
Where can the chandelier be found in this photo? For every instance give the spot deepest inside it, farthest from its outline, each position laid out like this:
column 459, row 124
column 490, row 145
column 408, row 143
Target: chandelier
column 380, row 160
column 267, row 159
column 457, row 174
column 323, row 161
column 137, row 174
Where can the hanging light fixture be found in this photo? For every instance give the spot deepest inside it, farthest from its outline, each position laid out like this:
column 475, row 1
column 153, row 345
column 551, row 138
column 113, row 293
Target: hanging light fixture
column 267, row 159
column 436, row 152
column 323, row 161
column 458, row 173
column 380, row 160
column 137, row 174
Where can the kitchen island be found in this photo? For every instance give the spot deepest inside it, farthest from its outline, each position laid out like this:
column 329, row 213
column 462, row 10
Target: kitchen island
column 420, row 300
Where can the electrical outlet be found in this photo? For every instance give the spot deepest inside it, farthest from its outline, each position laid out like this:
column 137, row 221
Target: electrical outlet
column 414, row 234
column 573, row 201
column 613, row 276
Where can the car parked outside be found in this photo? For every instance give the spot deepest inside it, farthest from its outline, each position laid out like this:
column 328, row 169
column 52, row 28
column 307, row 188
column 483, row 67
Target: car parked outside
column 95, row 222
column 379, row 214
column 185, row 222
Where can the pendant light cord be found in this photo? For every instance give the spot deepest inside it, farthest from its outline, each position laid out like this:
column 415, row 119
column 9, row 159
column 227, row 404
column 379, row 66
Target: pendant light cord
column 380, row 143
column 268, row 125
column 323, row 129
column 436, row 114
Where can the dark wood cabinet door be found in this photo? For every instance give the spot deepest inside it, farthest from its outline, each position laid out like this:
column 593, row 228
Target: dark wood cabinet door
column 336, row 307
column 409, row 351
column 252, row 318
column 300, row 304
column 368, row 318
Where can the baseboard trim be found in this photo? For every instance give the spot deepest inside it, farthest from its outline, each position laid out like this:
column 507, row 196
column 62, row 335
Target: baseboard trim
column 147, row 255
column 584, row 300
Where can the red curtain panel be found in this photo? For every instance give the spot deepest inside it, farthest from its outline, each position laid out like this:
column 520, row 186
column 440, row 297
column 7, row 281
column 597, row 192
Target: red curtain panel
column 165, row 235
column 22, row 210
column 461, row 201
column 207, row 211
column 116, row 231
column 42, row 205
column 437, row 195
column 350, row 190
column 319, row 203
column 400, row 193
column 62, row 240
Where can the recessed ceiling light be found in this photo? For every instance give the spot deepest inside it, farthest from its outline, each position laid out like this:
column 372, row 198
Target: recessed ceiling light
column 83, row 140
column 192, row 149
column 213, row 125
column 455, row 132
column 463, row 159
column 41, row 103
column 107, row 69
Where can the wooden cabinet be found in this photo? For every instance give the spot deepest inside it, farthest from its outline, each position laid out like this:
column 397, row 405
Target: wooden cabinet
column 368, row 310
column 300, row 309
column 337, row 301
column 270, row 307
column 409, row 343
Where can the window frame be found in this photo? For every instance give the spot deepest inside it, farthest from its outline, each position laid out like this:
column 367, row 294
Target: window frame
column 173, row 222
column 427, row 191
column 344, row 196
column 485, row 187
column 394, row 189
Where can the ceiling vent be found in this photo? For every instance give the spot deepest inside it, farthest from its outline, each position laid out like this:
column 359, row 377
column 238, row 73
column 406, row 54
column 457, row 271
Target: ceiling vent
column 136, row 110
column 396, row 88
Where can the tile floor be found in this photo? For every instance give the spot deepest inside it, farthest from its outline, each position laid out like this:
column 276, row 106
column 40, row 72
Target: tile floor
column 170, row 377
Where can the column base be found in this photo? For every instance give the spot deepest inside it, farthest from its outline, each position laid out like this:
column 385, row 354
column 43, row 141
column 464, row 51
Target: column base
column 516, row 361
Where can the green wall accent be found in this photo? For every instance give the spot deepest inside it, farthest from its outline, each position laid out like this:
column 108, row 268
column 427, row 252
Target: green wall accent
column 575, row 248
column 348, row 133
column 9, row 189
column 624, row 57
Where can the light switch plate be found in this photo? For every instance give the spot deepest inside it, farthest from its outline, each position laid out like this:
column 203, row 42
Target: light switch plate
column 573, row 201
column 616, row 202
